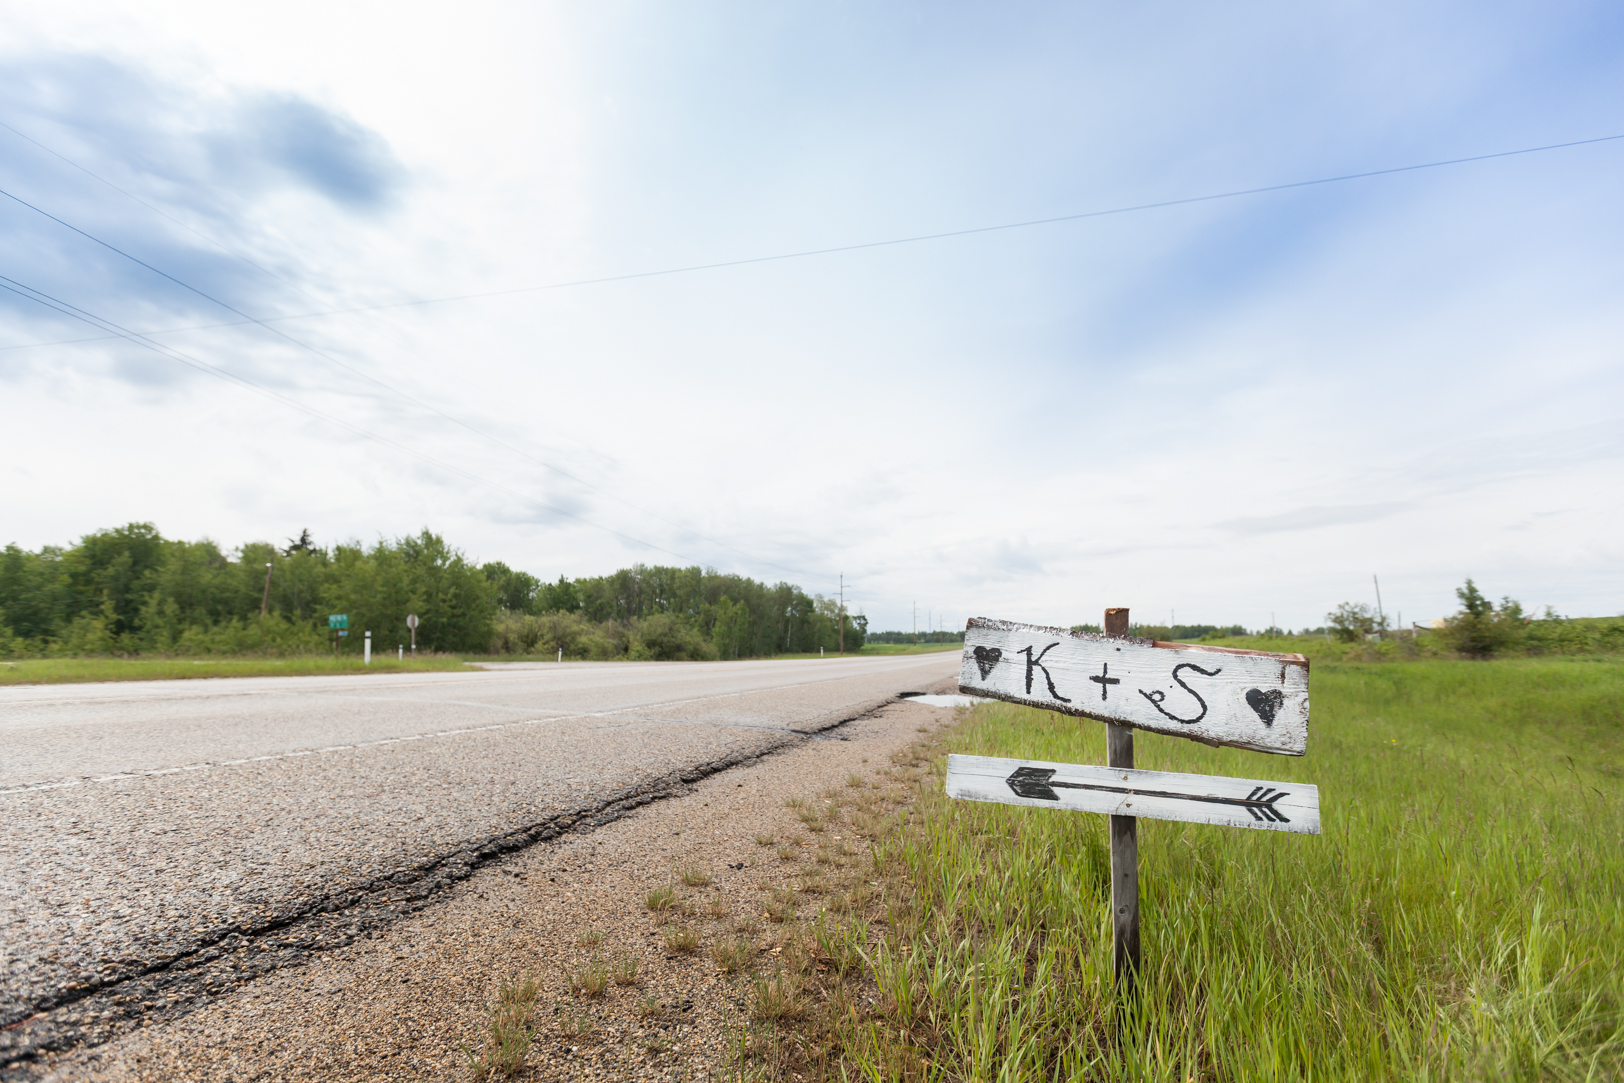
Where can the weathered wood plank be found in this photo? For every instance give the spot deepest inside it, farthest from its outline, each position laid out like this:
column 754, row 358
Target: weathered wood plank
column 1218, row 696
column 1123, row 792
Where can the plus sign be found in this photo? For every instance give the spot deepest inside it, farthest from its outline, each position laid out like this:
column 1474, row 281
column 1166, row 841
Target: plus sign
column 1103, row 680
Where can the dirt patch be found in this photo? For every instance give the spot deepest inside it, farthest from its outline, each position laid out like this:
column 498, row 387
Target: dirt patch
column 659, row 943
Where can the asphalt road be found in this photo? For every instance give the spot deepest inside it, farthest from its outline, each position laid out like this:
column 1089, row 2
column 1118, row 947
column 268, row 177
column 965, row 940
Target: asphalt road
column 142, row 825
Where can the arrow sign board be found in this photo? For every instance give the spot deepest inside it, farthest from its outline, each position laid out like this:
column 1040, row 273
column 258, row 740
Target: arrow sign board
column 1120, row 791
column 1218, row 696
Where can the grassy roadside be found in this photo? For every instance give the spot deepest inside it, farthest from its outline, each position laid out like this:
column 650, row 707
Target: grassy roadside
column 1461, row 918
column 81, row 670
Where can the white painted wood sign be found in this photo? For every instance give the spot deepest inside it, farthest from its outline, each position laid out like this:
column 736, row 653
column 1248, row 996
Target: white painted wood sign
column 1120, row 791
column 1216, row 695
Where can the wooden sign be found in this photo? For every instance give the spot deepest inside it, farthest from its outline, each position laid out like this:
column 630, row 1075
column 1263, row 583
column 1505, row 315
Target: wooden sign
column 1219, row 696
column 1116, row 791
column 1216, row 695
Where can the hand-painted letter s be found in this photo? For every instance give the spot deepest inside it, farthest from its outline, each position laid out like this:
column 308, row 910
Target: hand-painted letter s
column 1156, row 697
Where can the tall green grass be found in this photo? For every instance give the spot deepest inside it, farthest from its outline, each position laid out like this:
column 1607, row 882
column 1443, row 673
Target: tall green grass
column 1461, row 917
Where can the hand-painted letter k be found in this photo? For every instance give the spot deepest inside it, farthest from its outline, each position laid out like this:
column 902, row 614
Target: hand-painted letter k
column 1037, row 663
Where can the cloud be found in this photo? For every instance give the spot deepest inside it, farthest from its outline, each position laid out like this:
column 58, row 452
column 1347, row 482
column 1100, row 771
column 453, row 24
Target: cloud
column 187, row 179
column 283, row 137
column 1312, row 518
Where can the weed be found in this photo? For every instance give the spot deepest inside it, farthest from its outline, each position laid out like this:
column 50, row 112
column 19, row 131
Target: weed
column 625, row 969
column 694, row 876
column 765, row 839
column 787, row 853
column 823, row 856
column 681, row 939
column 814, row 883
column 794, row 802
column 780, row 905
column 777, row 997
column 589, row 980
column 578, row 1025
column 733, row 955
column 867, row 824
column 661, row 899
column 816, row 826
column 841, row 943
column 855, row 781
column 591, row 938
column 648, row 1008
column 507, row 1030
column 717, row 908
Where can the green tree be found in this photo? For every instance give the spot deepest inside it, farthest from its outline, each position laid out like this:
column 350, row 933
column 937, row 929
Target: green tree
column 377, row 588
column 730, row 633
column 1480, row 629
column 559, row 597
column 515, row 591
column 1352, row 621
column 111, row 573
column 35, row 596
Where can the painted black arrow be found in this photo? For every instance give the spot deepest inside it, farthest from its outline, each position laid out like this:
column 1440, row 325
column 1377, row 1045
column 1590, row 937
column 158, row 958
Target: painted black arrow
column 1034, row 783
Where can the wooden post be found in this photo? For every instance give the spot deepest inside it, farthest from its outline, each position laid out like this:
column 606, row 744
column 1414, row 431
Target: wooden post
column 265, row 602
column 1124, row 846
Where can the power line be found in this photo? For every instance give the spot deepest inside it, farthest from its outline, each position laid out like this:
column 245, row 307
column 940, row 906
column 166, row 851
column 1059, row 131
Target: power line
column 945, row 235
column 155, row 210
column 247, row 318
column 40, row 297
column 802, row 254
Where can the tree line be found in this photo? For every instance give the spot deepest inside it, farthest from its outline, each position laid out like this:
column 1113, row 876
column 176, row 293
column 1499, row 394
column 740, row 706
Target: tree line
column 1482, row 628
column 129, row 590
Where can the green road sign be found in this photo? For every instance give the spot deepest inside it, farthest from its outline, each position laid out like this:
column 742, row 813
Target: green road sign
column 338, row 620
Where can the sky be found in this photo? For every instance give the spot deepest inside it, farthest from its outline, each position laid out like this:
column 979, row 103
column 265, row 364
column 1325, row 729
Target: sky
column 370, row 268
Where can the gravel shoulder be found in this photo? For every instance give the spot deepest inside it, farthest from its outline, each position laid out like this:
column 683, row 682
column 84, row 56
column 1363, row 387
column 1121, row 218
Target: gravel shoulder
column 165, row 843
column 409, row 1000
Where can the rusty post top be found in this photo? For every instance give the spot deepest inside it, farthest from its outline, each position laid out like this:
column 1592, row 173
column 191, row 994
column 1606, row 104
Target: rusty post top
column 1116, row 621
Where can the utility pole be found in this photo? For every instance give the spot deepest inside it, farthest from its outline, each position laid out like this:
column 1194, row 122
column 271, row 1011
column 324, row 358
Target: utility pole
column 916, row 624
column 265, row 602
column 1380, row 620
column 842, row 612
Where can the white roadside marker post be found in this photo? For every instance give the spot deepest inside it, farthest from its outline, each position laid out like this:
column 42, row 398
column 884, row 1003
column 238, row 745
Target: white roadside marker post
column 366, row 649
column 1257, row 700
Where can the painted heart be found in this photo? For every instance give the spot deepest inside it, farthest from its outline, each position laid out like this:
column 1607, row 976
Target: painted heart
column 986, row 658
column 1266, row 704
